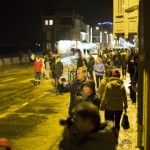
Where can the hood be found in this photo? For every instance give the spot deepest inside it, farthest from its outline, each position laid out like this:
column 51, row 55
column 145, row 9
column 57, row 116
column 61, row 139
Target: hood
column 106, row 132
column 115, row 81
column 105, row 80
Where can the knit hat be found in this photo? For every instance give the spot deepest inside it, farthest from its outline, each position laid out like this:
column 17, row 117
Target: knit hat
column 91, row 84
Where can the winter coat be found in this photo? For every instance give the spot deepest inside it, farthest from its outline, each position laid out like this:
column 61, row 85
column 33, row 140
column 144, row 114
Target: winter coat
column 102, row 139
column 94, row 99
column 99, row 68
column 38, row 66
column 124, row 63
column 75, row 87
column 114, row 98
column 131, row 66
column 90, row 64
column 102, row 87
column 47, row 64
column 81, row 62
column 57, row 69
column 109, row 67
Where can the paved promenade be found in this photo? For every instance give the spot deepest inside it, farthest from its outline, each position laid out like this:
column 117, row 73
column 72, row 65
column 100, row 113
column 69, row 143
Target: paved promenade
column 126, row 138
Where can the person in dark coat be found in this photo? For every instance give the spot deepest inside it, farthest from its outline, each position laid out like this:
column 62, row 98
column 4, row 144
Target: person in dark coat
column 86, row 132
column 114, row 100
column 124, row 64
column 76, row 87
column 57, row 69
column 88, row 93
column 81, row 61
column 90, row 65
column 131, row 67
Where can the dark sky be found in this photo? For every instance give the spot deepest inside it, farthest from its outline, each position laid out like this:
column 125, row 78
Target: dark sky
column 20, row 20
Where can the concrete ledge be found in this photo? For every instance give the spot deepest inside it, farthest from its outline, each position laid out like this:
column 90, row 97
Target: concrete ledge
column 15, row 60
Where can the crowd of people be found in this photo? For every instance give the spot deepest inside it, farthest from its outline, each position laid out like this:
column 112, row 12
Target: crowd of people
column 98, row 85
column 106, row 93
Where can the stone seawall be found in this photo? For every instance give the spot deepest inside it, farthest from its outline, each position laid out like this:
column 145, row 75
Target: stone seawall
column 15, row 60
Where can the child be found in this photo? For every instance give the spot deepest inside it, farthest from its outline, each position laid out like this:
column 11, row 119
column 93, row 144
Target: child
column 37, row 68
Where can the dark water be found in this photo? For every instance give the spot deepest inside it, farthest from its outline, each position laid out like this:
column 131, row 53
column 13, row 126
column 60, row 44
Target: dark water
column 13, row 51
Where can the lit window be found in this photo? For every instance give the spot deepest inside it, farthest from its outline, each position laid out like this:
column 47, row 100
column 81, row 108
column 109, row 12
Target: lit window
column 46, row 22
column 50, row 22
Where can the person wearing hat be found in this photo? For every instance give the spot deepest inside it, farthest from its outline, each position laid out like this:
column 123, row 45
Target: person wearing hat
column 87, row 132
column 114, row 100
column 88, row 93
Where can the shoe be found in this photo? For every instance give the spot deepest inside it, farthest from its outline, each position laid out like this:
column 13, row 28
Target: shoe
column 61, row 94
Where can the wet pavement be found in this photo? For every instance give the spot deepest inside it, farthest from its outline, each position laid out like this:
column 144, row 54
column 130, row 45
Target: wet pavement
column 34, row 118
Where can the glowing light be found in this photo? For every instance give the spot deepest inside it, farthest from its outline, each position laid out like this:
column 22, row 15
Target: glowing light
column 50, row 22
column 105, row 23
column 46, row 22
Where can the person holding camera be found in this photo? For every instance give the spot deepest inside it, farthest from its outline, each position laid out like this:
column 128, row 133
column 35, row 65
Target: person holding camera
column 76, row 87
column 84, row 131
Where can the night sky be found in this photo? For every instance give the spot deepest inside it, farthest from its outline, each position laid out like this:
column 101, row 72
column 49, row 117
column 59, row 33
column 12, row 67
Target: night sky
column 20, row 20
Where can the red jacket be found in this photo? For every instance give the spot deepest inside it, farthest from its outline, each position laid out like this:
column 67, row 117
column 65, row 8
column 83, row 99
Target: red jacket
column 38, row 66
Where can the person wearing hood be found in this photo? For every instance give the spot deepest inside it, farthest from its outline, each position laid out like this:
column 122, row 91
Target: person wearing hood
column 114, row 100
column 88, row 93
column 99, row 69
column 87, row 132
column 103, row 83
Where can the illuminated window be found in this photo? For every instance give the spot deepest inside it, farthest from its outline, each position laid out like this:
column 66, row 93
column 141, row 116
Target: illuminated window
column 50, row 22
column 46, row 22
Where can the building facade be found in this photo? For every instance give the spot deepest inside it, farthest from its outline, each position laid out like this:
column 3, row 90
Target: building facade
column 125, row 20
column 102, row 35
column 65, row 30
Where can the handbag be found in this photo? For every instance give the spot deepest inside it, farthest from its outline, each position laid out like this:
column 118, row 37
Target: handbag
column 125, row 122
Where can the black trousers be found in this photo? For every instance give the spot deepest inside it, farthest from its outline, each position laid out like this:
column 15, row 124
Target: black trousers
column 98, row 79
column 115, row 116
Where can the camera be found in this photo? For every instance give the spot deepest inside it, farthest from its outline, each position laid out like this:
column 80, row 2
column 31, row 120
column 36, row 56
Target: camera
column 68, row 122
column 63, row 79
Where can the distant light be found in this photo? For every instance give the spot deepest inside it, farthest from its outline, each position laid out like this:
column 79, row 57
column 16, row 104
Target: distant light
column 105, row 32
column 46, row 22
column 50, row 22
column 97, row 28
column 105, row 23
